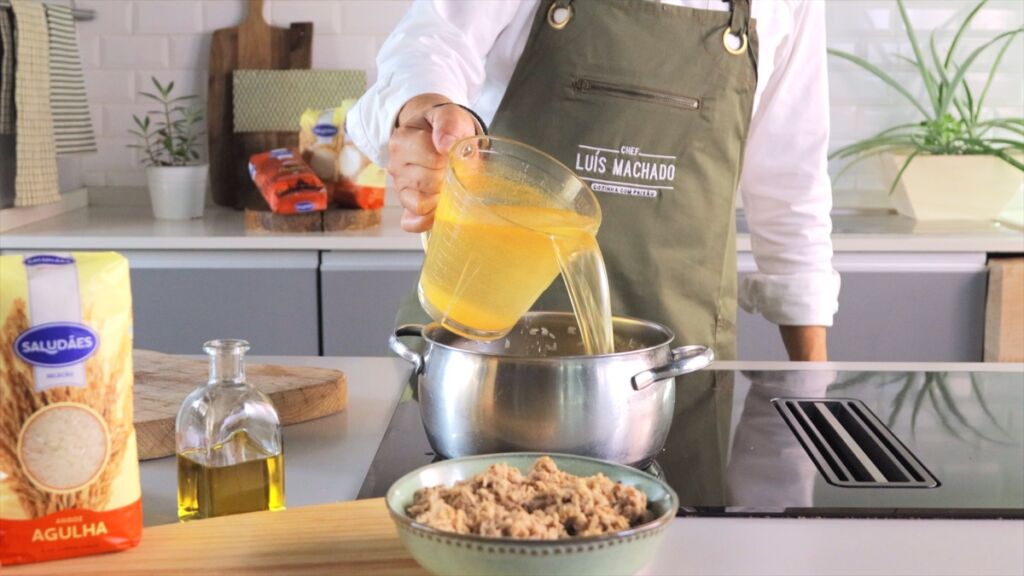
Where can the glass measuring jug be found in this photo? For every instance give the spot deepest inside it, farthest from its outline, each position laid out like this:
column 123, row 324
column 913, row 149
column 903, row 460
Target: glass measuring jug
column 509, row 219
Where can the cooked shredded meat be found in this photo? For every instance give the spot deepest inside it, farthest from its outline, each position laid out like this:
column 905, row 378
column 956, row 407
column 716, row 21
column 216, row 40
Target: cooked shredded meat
column 546, row 504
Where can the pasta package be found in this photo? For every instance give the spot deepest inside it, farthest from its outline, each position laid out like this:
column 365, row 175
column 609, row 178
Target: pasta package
column 352, row 180
column 287, row 183
column 69, row 470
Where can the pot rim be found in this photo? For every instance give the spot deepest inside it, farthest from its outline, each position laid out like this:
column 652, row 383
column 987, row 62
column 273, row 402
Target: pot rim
column 668, row 333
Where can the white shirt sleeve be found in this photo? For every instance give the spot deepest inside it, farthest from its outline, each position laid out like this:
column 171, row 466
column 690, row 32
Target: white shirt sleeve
column 439, row 46
column 787, row 194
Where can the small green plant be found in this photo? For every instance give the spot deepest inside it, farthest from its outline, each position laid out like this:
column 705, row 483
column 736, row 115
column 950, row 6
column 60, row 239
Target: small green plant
column 169, row 136
column 952, row 118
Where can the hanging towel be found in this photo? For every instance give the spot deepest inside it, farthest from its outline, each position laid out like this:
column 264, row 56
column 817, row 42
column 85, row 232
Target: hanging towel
column 72, row 126
column 6, row 74
column 35, row 180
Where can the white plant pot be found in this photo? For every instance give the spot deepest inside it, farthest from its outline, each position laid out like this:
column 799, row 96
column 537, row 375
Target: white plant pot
column 952, row 187
column 177, row 192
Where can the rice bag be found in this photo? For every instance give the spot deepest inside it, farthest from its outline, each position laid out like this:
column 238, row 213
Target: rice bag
column 69, row 470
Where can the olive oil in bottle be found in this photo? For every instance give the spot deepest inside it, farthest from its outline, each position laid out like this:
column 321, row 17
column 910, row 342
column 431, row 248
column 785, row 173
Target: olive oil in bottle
column 221, row 482
column 228, row 438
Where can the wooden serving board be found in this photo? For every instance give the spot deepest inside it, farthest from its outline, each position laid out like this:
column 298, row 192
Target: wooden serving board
column 252, row 45
column 163, row 380
column 332, row 220
column 345, row 538
column 1004, row 310
column 267, row 222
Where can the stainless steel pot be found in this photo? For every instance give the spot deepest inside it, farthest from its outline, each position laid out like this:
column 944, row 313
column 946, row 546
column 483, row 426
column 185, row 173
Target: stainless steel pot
column 535, row 390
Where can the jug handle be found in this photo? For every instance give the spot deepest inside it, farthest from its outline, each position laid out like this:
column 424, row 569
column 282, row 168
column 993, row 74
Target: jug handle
column 404, row 351
column 685, row 359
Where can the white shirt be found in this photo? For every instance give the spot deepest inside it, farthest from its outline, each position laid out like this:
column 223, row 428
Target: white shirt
column 467, row 51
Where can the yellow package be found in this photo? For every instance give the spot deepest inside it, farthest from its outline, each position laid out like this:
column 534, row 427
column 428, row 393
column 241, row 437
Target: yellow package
column 69, row 471
column 352, row 180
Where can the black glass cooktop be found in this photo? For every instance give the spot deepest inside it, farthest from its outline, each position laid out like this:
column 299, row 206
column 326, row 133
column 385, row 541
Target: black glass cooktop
column 772, row 443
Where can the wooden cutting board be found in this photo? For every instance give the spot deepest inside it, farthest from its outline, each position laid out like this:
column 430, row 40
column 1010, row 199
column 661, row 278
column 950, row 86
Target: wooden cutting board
column 252, row 45
column 345, row 538
column 162, row 381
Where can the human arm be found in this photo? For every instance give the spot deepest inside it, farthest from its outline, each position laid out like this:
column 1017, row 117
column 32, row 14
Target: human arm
column 787, row 194
column 805, row 343
column 435, row 55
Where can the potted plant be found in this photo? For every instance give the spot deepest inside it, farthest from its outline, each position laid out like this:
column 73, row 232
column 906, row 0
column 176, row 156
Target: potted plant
column 955, row 162
column 169, row 141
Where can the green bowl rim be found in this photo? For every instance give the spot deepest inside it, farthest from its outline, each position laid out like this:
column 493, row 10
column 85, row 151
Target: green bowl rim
column 653, row 525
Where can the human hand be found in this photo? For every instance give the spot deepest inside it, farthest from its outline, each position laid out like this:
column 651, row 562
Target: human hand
column 418, row 154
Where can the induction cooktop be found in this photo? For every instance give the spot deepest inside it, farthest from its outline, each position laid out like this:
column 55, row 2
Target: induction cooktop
column 817, row 444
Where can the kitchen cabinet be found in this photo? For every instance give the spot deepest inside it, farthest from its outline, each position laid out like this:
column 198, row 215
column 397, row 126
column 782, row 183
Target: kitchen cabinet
column 359, row 293
column 183, row 298
column 915, row 307
column 894, row 306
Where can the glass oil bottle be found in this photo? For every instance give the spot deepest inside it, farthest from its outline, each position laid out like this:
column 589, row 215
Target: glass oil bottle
column 228, row 442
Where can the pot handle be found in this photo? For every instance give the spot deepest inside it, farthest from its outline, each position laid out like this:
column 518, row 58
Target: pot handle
column 404, row 351
column 685, row 359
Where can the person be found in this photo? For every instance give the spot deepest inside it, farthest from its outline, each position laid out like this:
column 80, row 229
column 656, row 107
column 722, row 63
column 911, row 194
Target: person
column 665, row 109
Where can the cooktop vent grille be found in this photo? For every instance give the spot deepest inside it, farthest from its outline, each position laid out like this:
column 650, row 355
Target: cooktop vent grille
column 851, row 446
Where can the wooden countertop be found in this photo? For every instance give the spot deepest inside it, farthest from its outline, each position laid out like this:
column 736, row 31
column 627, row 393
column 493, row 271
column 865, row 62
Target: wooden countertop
column 356, row 538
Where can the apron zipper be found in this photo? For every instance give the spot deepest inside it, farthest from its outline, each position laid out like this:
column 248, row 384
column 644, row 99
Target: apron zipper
column 588, row 85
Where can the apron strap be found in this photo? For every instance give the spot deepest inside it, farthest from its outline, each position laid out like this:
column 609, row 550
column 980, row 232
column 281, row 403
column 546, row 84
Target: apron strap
column 740, row 16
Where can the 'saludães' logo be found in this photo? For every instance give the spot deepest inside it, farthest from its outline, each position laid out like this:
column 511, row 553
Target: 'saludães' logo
column 48, row 259
column 56, row 344
column 325, row 130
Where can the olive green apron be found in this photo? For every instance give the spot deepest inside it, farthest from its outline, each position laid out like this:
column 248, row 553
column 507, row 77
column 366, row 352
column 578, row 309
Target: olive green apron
column 650, row 104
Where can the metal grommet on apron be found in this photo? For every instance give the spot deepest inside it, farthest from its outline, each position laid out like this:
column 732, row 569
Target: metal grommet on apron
column 559, row 14
column 735, row 44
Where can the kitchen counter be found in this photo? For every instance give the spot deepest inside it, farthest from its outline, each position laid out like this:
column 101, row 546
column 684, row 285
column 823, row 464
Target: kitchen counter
column 133, row 228
column 328, row 458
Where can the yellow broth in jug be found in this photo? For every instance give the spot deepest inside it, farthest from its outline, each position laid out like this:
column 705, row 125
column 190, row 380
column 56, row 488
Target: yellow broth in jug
column 487, row 263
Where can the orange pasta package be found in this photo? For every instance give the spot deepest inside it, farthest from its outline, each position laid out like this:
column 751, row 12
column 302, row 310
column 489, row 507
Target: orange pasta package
column 286, row 182
column 69, row 470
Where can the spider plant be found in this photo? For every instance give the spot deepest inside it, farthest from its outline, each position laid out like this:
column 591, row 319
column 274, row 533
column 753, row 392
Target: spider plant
column 934, row 388
column 951, row 121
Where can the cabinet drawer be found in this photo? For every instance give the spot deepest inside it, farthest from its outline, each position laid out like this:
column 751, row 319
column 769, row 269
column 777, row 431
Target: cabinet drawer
column 360, row 293
column 892, row 307
column 182, row 299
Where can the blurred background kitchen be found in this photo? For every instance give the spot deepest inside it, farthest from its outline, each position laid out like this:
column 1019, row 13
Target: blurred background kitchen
column 914, row 288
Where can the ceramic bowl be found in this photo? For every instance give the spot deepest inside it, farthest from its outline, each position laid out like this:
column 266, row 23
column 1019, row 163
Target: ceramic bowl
column 447, row 553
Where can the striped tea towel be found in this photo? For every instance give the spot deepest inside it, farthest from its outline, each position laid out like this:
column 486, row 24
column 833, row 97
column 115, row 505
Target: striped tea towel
column 6, row 74
column 36, row 179
column 72, row 126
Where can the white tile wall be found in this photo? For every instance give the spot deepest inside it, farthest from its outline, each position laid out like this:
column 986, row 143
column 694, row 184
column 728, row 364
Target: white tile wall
column 862, row 106
column 133, row 39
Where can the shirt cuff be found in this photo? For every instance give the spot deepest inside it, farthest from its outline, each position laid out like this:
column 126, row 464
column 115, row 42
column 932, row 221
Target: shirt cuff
column 792, row 299
column 370, row 122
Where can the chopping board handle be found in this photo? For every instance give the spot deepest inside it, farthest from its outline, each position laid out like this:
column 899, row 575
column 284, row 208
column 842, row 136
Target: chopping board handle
column 255, row 15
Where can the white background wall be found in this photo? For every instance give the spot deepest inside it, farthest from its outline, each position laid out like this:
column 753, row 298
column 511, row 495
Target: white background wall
column 131, row 40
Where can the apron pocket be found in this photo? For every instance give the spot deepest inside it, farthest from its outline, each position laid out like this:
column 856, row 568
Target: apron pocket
column 589, row 85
